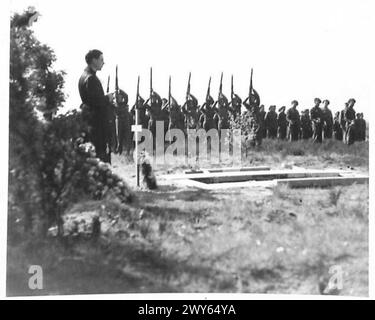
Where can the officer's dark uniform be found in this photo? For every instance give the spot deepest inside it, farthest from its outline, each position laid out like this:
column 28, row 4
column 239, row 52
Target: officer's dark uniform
column 282, row 124
column 294, row 123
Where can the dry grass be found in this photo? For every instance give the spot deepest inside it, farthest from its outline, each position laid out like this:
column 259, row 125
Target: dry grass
column 173, row 239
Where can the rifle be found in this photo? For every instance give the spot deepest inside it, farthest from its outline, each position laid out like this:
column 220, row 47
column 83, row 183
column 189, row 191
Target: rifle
column 208, row 89
column 221, row 85
column 231, row 88
column 116, row 83
column 137, row 96
column 169, row 94
column 151, row 90
column 251, row 85
column 188, row 87
column 109, row 77
column 117, row 100
column 231, row 92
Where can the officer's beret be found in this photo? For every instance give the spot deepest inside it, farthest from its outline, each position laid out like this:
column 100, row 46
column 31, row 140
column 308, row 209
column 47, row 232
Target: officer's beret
column 317, row 100
column 295, row 102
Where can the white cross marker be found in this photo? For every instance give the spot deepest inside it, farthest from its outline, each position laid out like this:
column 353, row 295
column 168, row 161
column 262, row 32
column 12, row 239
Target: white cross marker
column 136, row 128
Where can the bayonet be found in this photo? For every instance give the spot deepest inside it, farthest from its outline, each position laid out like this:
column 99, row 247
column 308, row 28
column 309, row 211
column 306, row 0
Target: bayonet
column 231, row 88
column 151, row 83
column 208, row 89
column 251, row 85
column 116, row 81
column 117, row 100
column 137, row 97
column 221, row 85
column 188, row 87
column 169, row 94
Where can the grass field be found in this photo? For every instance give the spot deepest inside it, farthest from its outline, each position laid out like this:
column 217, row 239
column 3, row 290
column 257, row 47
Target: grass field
column 183, row 239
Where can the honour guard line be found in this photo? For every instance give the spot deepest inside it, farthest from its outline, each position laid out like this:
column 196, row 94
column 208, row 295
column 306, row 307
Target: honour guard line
column 113, row 124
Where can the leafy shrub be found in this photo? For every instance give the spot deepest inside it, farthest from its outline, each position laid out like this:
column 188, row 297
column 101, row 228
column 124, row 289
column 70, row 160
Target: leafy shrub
column 51, row 165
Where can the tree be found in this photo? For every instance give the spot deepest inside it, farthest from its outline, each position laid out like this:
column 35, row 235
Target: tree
column 50, row 166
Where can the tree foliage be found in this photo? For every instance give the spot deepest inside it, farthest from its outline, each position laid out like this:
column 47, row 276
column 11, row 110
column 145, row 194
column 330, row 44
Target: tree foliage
column 50, row 164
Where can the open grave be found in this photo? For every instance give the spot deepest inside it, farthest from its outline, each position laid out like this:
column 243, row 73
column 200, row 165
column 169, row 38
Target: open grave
column 222, row 178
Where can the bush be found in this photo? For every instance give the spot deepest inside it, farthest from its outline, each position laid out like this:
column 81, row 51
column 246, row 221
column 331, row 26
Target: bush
column 51, row 165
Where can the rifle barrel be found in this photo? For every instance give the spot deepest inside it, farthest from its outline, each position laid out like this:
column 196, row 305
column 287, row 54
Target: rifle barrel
column 150, row 82
column 221, row 83
column 231, row 86
column 116, row 83
column 208, row 89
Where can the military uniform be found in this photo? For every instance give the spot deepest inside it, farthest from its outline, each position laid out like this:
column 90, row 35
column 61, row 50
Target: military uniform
column 208, row 112
column 293, row 118
column 282, row 124
column 155, row 112
column 327, row 123
column 262, row 116
column 124, row 121
column 253, row 128
column 142, row 116
column 360, row 127
column 111, row 116
column 337, row 131
column 252, row 125
column 190, row 110
column 316, row 119
column 349, row 117
column 343, row 122
column 236, row 105
column 270, row 122
column 222, row 113
column 175, row 116
column 306, row 128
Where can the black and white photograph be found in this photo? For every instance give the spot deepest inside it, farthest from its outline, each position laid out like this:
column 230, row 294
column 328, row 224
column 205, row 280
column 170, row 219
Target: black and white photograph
column 187, row 147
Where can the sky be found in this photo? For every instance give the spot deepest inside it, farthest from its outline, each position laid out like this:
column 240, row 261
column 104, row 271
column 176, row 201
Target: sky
column 298, row 49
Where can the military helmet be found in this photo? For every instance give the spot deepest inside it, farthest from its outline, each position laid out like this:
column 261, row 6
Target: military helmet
column 317, row 100
column 174, row 102
column 193, row 100
column 140, row 99
column 252, row 98
column 223, row 98
column 155, row 98
column 209, row 100
column 236, row 98
column 122, row 97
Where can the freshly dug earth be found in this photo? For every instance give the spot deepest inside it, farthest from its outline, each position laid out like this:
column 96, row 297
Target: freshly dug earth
column 181, row 239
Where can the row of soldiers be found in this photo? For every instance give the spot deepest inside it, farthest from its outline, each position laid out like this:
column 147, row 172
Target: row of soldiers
column 317, row 123
column 210, row 115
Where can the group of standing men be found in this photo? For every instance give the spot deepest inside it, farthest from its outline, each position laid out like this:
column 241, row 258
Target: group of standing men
column 317, row 123
column 109, row 118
